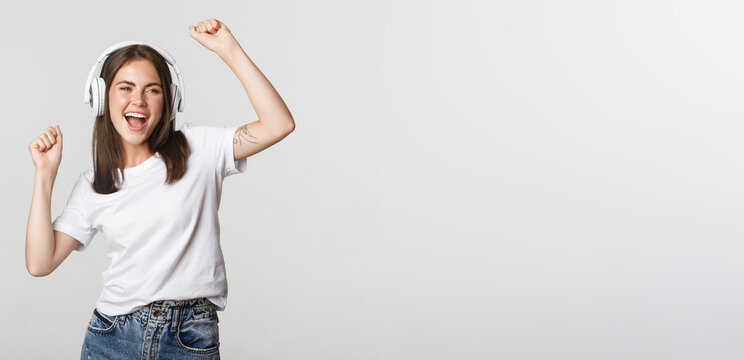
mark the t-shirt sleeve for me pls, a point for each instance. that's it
(217, 143)
(73, 221)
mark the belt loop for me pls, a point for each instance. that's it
(149, 313)
(176, 320)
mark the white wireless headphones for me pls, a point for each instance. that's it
(95, 87)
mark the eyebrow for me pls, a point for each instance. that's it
(131, 83)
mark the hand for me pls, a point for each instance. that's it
(214, 35)
(46, 150)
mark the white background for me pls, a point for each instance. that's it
(467, 180)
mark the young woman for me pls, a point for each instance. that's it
(154, 192)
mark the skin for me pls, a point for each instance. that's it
(136, 87)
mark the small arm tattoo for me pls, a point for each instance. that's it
(244, 135)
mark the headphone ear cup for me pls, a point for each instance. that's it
(176, 97)
(98, 98)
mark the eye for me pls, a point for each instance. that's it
(124, 88)
(155, 91)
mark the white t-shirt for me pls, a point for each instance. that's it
(163, 240)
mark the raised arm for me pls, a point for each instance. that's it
(274, 119)
(45, 248)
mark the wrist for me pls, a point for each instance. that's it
(45, 173)
(231, 52)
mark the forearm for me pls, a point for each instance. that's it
(269, 106)
(39, 234)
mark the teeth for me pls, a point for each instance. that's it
(136, 115)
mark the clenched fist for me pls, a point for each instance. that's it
(214, 35)
(46, 150)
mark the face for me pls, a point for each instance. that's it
(136, 102)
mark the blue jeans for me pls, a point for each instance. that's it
(168, 329)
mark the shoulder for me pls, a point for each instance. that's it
(84, 182)
(192, 130)
(207, 136)
(82, 188)
(86, 176)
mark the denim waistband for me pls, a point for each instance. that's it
(165, 304)
(167, 310)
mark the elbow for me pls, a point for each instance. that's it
(290, 127)
(288, 124)
(279, 128)
(37, 271)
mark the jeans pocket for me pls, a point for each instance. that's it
(199, 335)
(101, 323)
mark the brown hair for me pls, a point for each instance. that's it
(108, 154)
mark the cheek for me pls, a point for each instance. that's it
(117, 100)
(159, 102)
(157, 106)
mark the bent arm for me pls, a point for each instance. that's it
(45, 248)
(272, 112)
(274, 122)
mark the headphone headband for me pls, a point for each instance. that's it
(95, 85)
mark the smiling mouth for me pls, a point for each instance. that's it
(135, 123)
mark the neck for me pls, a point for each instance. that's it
(134, 156)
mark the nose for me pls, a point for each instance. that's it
(138, 98)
